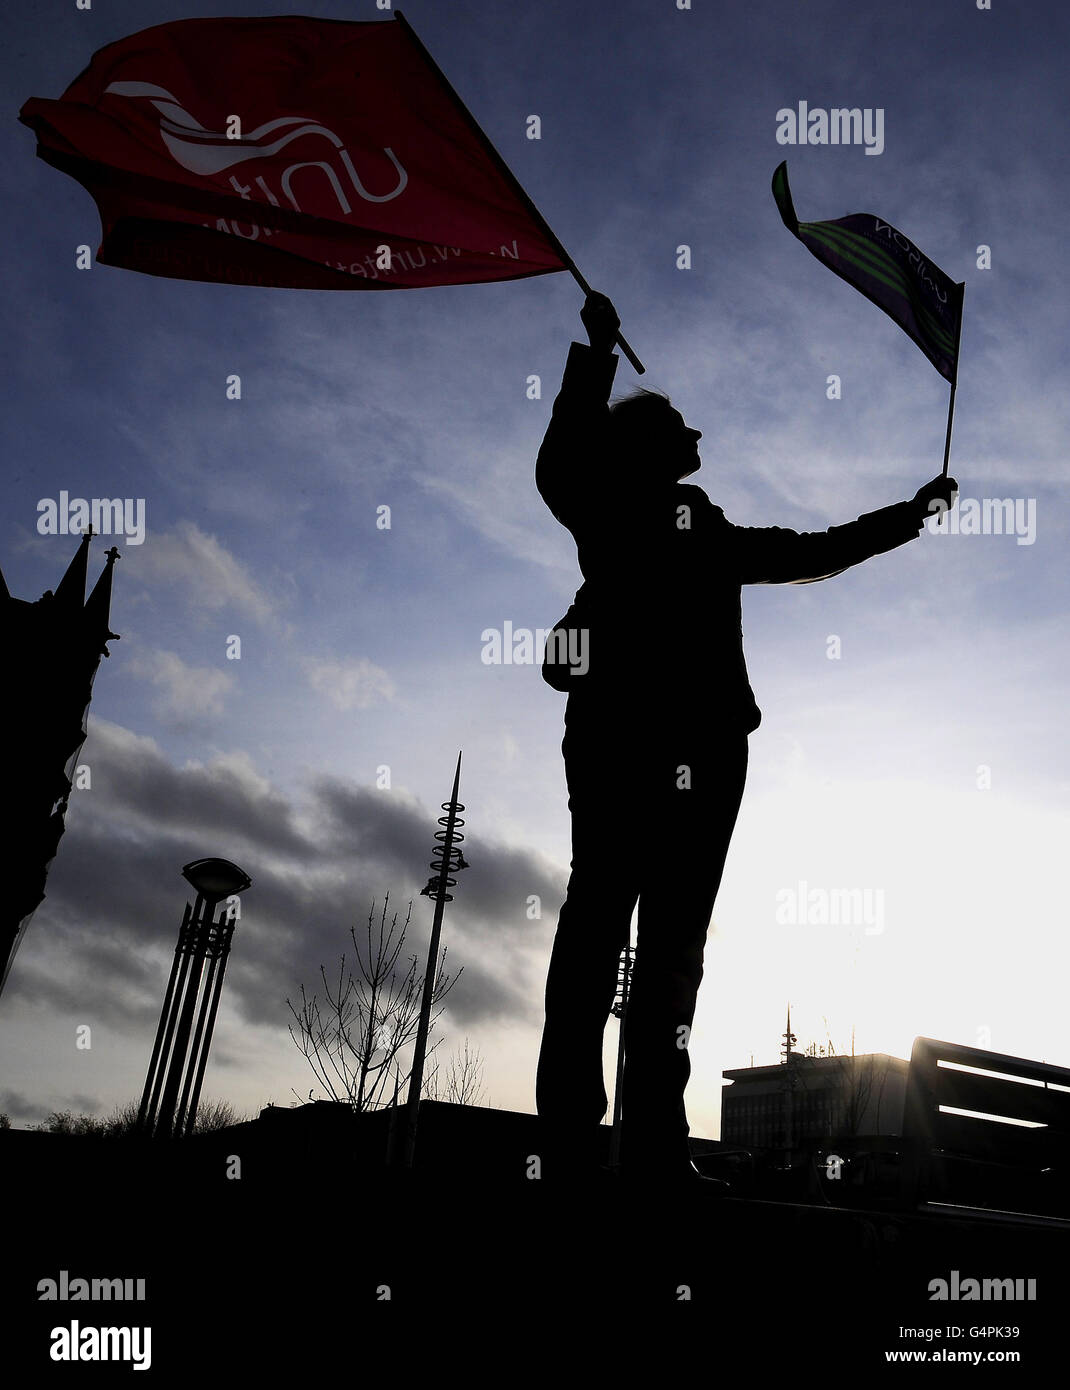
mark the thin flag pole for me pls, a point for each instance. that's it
(512, 180)
(954, 382)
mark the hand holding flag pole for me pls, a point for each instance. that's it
(601, 322)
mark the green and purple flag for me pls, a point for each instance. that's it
(885, 266)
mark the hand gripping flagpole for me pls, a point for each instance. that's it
(954, 381)
(511, 179)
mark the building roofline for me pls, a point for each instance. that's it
(811, 1063)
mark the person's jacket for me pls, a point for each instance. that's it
(659, 613)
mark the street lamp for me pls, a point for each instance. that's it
(215, 878)
(201, 937)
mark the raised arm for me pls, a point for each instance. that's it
(775, 555)
(574, 443)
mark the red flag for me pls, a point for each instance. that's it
(289, 152)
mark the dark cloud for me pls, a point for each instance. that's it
(101, 944)
(23, 1112)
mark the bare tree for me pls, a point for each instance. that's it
(463, 1082)
(64, 1122)
(211, 1115)
(857, 1078)
(216, 1114)
(353, 1041)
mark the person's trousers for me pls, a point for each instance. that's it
(653, 809)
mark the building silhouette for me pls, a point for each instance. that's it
(53, 646)
(806, 1100)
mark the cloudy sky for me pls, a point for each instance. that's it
(927, 762)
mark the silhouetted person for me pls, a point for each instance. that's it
(656, 724)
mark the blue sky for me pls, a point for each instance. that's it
(362, 647)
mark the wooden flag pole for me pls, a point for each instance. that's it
(511, 179)
(954, 382)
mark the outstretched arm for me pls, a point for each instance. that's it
(574, 443)
(774, 555)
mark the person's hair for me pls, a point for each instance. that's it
(635, 418)
(640, 406)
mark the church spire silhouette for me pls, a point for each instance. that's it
(70, 591)
(98, 605)
(54, 647)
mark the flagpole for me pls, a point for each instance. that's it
(954, 381)
(512, 180)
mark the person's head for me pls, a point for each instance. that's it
(649, 437)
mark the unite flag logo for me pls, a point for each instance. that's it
(208, 152)
(288, 152)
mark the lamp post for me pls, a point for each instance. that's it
(201, 938)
